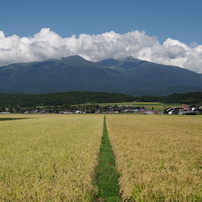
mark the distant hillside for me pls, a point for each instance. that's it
(128, 76)
(64, 98)
(72, 98)
(183, 98)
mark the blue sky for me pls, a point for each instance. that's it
(161, 31)
(177, 19)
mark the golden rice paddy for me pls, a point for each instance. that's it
(53, 157)
(159, 158)
(49, 157)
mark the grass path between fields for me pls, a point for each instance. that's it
(106, 174)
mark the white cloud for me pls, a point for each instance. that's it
(47, 45)
(1, 34)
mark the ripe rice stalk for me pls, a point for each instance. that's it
(49, 157)
(158, 157)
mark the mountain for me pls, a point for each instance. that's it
(67, 74)
(127, 76)
(146, 78)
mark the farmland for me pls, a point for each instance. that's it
(48, 157)
(148, 105)
(158, 157)
(52, 157)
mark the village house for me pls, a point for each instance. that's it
(183, 110)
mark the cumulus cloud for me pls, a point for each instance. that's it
(48, 45)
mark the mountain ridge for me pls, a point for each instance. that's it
(128, 75)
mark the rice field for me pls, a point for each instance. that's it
(53, 157)
(49, 157)
(158, 157)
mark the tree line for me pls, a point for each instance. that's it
(190, 98)
(75, 98)
(64, 98)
